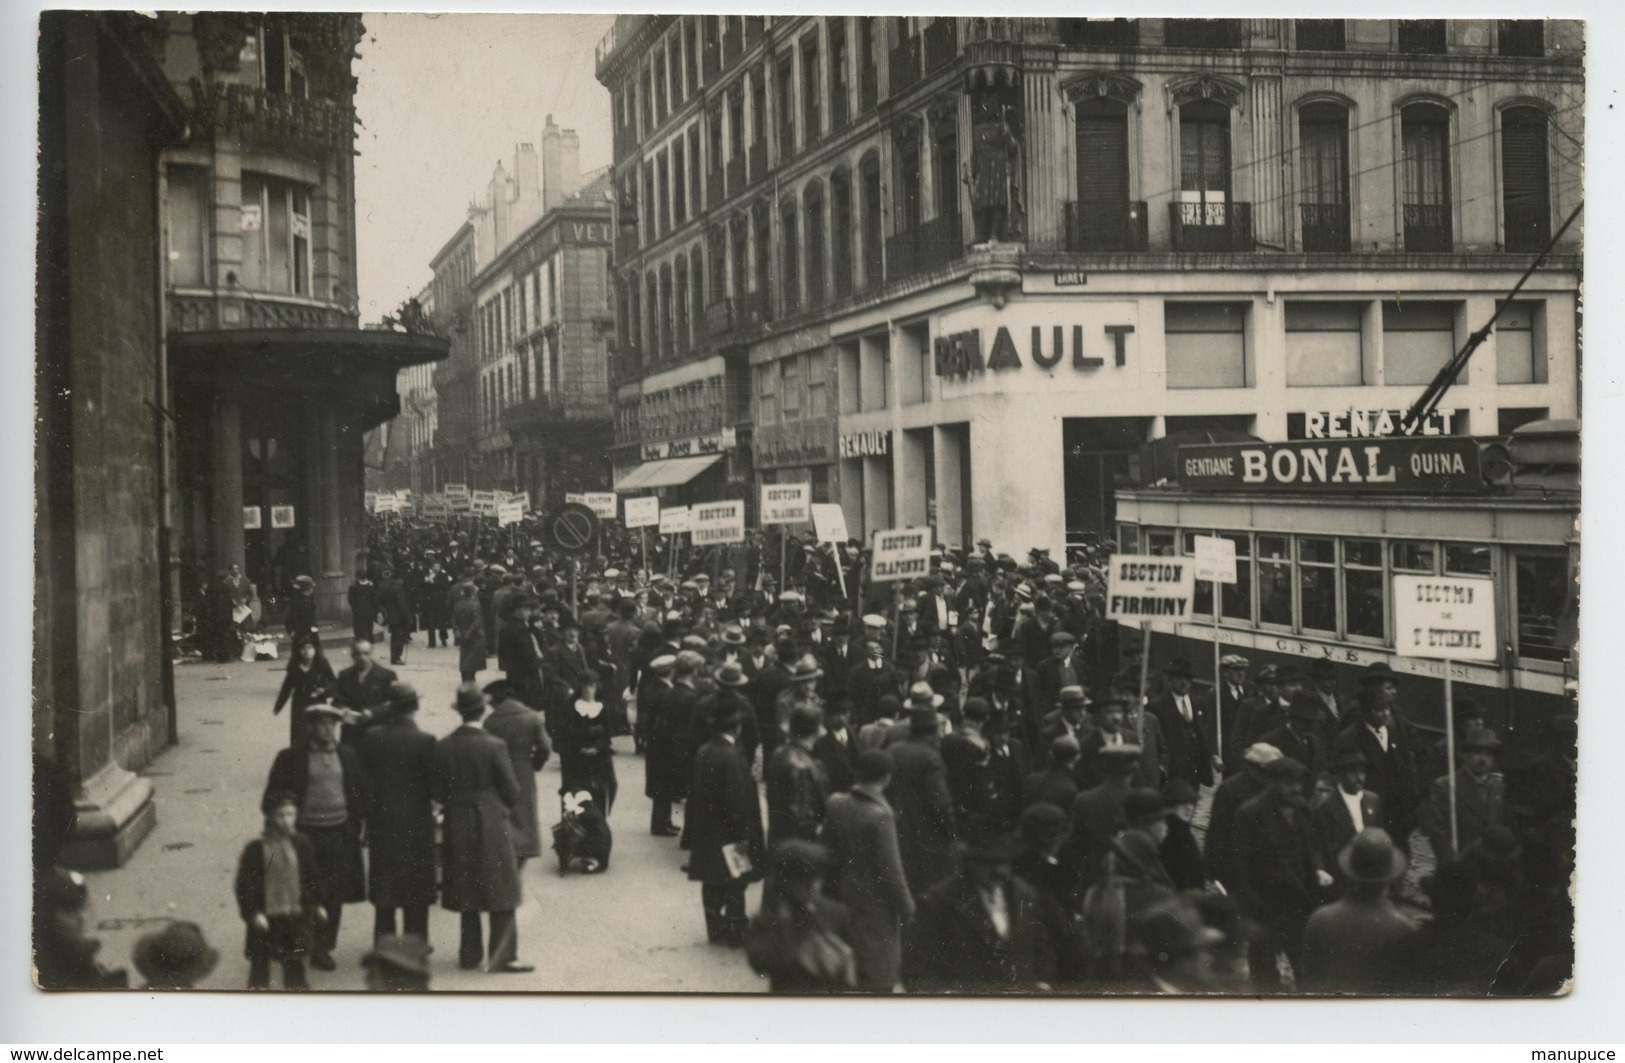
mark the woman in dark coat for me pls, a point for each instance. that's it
(309, 680)
(516, 648)
(584, 747)
(468, 620)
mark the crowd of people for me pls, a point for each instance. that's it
(968, 787)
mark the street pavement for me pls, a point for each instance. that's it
(636, 928)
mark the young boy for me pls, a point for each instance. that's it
(276, 890)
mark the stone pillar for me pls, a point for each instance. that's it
(226, 474)
(1270, 205)
(332, 566)
(1011, 449)
(1041, 137)
(227, 228)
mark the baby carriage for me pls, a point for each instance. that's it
(582, 839)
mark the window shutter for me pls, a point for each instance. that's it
(1102, 154)
(1524, 178)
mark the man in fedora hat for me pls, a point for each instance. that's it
(1350, 945)
(1047, 864)
(1278, 877)
(1350, 809)
(1481, 801)
(329, 783)
(524, 734)
(1183, 719)
(919, 794)
(801, 693)
(399, 760)
(1299, 737)
(670, 743)
(724, 825)
(860, 830)
(873, 676)
(398, 963)
(1391, 771)
(475, 786)
(731, 682)
(176, 957)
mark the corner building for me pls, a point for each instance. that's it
(956, 272)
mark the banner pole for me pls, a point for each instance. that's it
(784, 550)
(1145, 669)
(1450, 754)
(1218, 682)
(643, 540)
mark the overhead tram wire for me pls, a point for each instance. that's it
(1435, 391)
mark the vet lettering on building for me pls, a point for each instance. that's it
(1401, 464)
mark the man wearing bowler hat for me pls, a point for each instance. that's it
(1183, 718)
(920, 796)
(1376, 731)
(1278, 877)
(1481, 800)
(399, 760)
(1350, 809)
(1299, 737)
(1351, 945)
(724, 825)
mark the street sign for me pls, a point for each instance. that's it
(902, 553)
(1444, 618)
(282, 516)
(786, 503)
(642, 512)
(510, 512)
(717, 523)
(1141, 588)
(674, 520)
(1215, 559)
(602, 503)
(829, 521)
(572, 528)
(251, 518)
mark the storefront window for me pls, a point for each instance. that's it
(1275, 580)
(1317, 584)
(1545, 614)
(1467, 560)
(1411, 556)
(1363, 585)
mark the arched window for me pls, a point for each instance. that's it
(789, 256)
(1102, 219)
(813, 208)
(840, 227)
(1203, 217)
(1425, 142)
(680, 298)
(869, 207)
(1323, 171)
(1525, 182)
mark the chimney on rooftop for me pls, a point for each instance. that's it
(552, 177)
(570, 162)
(525, 172)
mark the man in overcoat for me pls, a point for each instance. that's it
(1350, 809)
(363, 688)
(521, 729)
(468, 623)
(1278, 877)
(516, 649)
(797, 784)
(670, 753)
(1183, 720)
(723, 811)
(330, 784)
(1481, 797)
(860, 830)
(476, 788)
(399, 761)
(919, 794)
(397, 609)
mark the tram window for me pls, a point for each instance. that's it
(1128, 538)
(1415, 557)
(1159, 542)
(1317, 583)
(1545, 615)
(1237, 597)
(1275, 580)
(1202, 605)
(1362, 588)
(1467, 560)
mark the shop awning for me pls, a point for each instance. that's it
(668, 473)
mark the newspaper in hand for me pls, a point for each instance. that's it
(737, 856)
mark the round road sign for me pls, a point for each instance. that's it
(572, 528)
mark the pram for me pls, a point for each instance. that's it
(582, 839)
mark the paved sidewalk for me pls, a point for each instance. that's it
(636, 928)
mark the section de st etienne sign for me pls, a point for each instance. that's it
(1415, 465)
(1141, 588)
(1445, 618)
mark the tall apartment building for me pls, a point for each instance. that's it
(522, 289)
(957, 271)
(406, 444)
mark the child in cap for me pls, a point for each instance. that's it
(276, 891)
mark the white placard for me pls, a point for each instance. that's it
(786, 503)
(674, 520)
(642, 512)
(575, 497)
(902, 553)
(1446, 618)
(829, 520)
(251, 518)
(484, 507)
(453, 490)
(459, 503)
(282, 516)
(509, 512)
(717, 523)
(1141, 588)
(602, 503)
(522, 497)
(1215, 559)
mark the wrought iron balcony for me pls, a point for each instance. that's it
(905, 65)
(275, 122)
(941, 43)
(1212, 226)
(1427, 227)
(1325, 226)
(1106, 226)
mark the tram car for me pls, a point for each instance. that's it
(1320, 530)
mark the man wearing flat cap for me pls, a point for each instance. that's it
(1218, 847)
(1063, 668)
(1481, 800)
(399, 761)
(1278, 877)
(1234, 690)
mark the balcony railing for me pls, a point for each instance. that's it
(736, 173)
(1212, 226)
(205, 312)
(905, 65)
(1325, 226)
(729, 316)
(1100, 32)
(1106, 226)
(758, 160)
(941, 43)
(934, 243)
(1427, 227)
(565, 404)
(1203, 32)
(279, 123)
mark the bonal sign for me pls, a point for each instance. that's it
(1215, 559)
(716, 523)
(674, 521)
(1141, 588)
(1415, 464)
(642, 512)
(903, 553)
(786, 503)
(1446, 618)
(829, 520)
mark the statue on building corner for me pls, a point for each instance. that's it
(993, 174)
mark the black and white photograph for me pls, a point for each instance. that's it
(807, 504)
